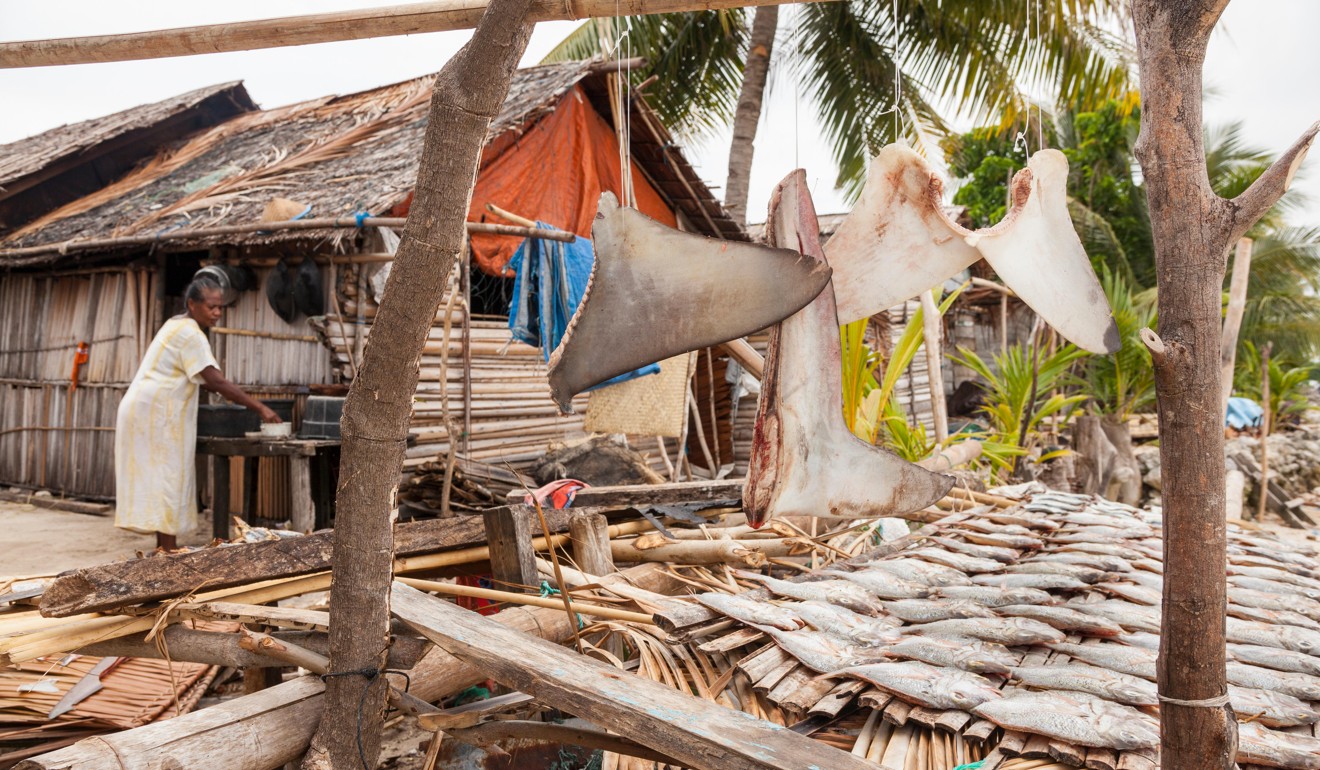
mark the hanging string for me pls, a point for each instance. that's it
(895, 60)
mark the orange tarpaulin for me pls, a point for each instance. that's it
(555, 172)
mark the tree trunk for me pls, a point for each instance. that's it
(1193, 229)
(1125, 460)
(748, 114)
(467, 95)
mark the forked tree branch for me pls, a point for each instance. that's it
(1269, 187)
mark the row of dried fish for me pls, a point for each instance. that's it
(944, 625)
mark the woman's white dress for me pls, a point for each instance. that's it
(156, 433)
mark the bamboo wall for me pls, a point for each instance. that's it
(51, 440)
(270, 351)
(47, 436)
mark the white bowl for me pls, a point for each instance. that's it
(278, 429)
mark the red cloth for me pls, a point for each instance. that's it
(559, 494)
(554, 172)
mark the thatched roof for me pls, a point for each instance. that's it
(103, 148)
(340, 155)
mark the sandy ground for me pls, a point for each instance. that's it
(40, 541)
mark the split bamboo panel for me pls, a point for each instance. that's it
(264, 353)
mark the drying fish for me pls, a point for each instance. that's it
(1272, 586)
(1152, 566)
(821, 652)
(677, 272)
(758, 612)
(1005, 555)
(1064, 619)
(1101, 682)
(1271, 709)
(1251, 560)
(1092, 560)
(928, 610)
(1073, 717)
(1135, 617)
(846, 624)
(1272, 617)
(1033, 522)
(1302, 686)
(1283, 637)
(1001, 630)
(1089, 519)
(1275, 658)
(1037, 567)
(961, 562)
(1006, 540)
(881, 584)
(1021, 580)
(1259, 745)
(1152, 550)
(1274, 574)
(980, 525)
(1133, 593)
(1142, 639)
(839, 592)
(991, 596)
(926, 685)
(1279, 553)
(967, 654)
(923, 572)
(1270, 600)
(1134, 661)
(1096, 535)
(1104, 549)
(1144, 578)
(805, 461)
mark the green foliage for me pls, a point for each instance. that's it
(1010, 383)
(1288, 385)
(850, 53)
(696, 56)
(859, 363)
(1123, 382)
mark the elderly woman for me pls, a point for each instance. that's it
(156, 430)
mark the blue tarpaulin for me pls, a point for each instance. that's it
(1243, 413)
(549, 280)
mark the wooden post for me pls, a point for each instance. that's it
(1264, 430)
(466, 98)
(933, 335)
(437, 16)
(1237, 304)
(509, 533)
(1193, 228)
(591, 542)
(303, 512)
(220, 497)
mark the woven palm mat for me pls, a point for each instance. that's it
(655, 405)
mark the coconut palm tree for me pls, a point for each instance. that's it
(875, 71)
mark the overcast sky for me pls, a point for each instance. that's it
(1263, 65)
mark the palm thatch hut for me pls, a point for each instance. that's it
(103, 223)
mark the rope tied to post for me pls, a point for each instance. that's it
(371, 675)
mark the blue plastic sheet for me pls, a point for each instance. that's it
(549, 280)
(1243, 413)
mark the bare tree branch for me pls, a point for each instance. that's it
(1269, 187)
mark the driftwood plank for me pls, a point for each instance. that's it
(137, 581)
(693, 731)
(651, 494)
(217, 648)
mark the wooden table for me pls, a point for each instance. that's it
(302, 498)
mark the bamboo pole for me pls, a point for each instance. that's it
(324, 223)
(1264, 431)
(530, 600)
(321, 28)
(746, 355)
(934, 338)
(1237, 305)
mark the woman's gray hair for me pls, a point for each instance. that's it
(198, 286)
